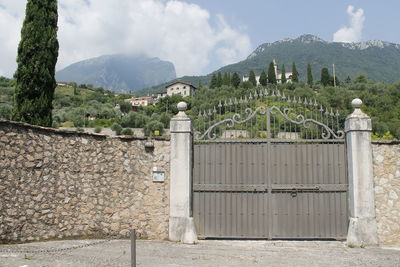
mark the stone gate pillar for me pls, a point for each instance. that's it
(362, 225)
(181, 224)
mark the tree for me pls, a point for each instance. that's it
(271, 73)
(325, 77)
(309, 75)
(252, 78)
(219, 80)
(361, 78)
(263, 79)
(37, 58)
(295, 74)
(214, 82)
(347, 80)
(235, 80)
(125, 106)
(226, 79)
(283, 76)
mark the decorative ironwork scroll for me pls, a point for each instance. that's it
(327, 132)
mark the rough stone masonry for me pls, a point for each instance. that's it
(386, 160)
(56, 184)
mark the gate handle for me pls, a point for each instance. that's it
(293, 193)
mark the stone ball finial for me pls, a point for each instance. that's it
(356, 103)
(182, 106)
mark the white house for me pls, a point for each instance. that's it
(278, 75)
(141, 101)
(180, 88)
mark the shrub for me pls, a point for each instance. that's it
(127, 131)
(68, 124)
(116, 128)
(79, 129)
(97, 129)
(55, 124)
(152, 126)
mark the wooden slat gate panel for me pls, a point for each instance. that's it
(270, 190)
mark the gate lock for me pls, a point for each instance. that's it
(293, 193)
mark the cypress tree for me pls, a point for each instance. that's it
(37, 58)
(295, 74)
(219, 79)
(271, 73)
(283, 76)
(235, 80)
(225, 79)
(263, 79)
(214, 81)
(325, 80)
(252, 78)
(309, 75)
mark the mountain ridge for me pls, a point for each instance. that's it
(120, 73)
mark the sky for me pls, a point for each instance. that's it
(198, 36)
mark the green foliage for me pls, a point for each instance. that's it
(252, 78)
(134, 120)
(214, 81)
(325, 77)
(97, 130)
(37, 57)
(361, 78)
(5, 111)
(125, 106)
(295, 73)
(263, 79)
(80, 130)
(246, 85)
(127, 131)
(235, 80)
(283, 78)
(271, 73)
(219, 79)
(310, 79)
(226, 79)
(55, 125)
(67, 124)
(116, 128)
(5, 82)
(152, 126)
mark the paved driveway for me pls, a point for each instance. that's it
(206, 253)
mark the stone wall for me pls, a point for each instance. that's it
(386, 162)
(57, 184)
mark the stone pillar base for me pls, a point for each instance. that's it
(362, 231)
(182, 229)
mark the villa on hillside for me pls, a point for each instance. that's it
(141, 101)
(278, 75)
(180, 88)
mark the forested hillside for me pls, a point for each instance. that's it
(73, 107)
(378, 60)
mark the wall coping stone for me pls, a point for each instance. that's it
(69, 132)
(383, 142)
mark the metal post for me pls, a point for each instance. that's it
(133, 248)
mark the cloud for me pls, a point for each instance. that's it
(352, 33)
(183, 33)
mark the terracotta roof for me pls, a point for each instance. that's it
(180, 82)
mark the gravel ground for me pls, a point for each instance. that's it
(206, 253)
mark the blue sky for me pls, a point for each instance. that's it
(197, 36)
(292, 18)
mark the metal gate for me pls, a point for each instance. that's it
(271, 187)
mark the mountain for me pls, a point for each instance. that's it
(119, 73)
(378, 60)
